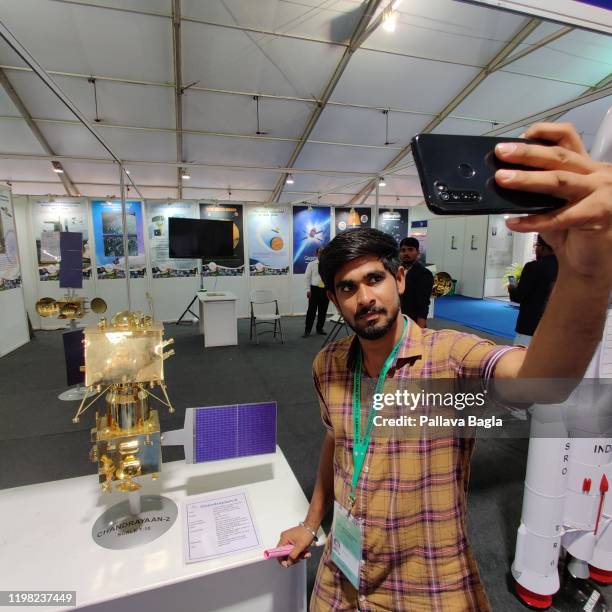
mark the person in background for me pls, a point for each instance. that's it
(317, 298)
(419, 283)
(533, 290)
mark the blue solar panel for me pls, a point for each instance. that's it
(71, 265)
(74, 352)
(238, 430)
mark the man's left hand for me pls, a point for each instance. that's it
(580, 232)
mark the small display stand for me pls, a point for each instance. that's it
(47, 543)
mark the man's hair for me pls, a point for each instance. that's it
(410, 242)
(350, 245)
(541, 242)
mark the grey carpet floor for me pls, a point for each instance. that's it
(39, 442)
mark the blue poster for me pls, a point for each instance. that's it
(268, 232)
(108, 234)
(310, 231)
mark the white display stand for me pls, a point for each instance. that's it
(46, 541)
(218, 320)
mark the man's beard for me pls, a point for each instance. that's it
(369, 330)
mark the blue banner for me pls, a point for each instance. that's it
(311, 230)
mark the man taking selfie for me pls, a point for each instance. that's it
(399, 504)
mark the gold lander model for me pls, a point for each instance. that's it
(124, 361)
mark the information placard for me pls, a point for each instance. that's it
(217, 525)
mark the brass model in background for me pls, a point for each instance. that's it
(71, 306)
(124, 361)
(443, 283)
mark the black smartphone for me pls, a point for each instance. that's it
(457, 175)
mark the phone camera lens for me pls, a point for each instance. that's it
(445, 196)
(441, 187)
(466, 171)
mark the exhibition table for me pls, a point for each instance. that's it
(46, 543)
(218, 321)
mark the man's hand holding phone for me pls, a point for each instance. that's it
(581, 231)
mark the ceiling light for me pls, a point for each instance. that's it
(185, 174)
(381, 182)
(57, 167)
(389, 21)
(289, 180)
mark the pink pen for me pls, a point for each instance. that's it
(281, 551)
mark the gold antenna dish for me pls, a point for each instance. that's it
(47, 307)
(98, 305)
(71, 310)
(443, 283)
(125, 319)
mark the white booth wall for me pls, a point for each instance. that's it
(13, 322)
(170, 296)
(499, 256)
(458, 245)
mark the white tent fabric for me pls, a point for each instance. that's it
(285, 52)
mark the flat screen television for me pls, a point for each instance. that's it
(199, 238)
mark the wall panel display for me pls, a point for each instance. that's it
(49, 218)
(351, 218)
(311, 228)
(10, 272)
(162, 266)
(499, 246)
(225, 266)
(394, 222)
(269, 234)
(108, 237)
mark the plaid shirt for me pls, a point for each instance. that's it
(411, 494)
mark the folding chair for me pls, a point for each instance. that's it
(261, 297)
(338, 323)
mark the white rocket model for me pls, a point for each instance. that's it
(567, 500)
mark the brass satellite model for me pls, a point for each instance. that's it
(124, 361)
(443, 284)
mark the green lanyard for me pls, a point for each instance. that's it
(361, 444)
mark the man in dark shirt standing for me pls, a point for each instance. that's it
(419, 283)
(533, 290)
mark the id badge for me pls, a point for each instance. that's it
(347, 538)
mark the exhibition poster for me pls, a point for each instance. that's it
(108, 234)
(351, 218)
(225, 266)
(394, 222)
(162, 266)
(10, 272)
(269, 231)
(311, 229)
(49, 218)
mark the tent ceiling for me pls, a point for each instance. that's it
(285, 51)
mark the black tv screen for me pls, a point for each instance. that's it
(197, 239)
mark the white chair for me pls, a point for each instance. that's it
(338, 324)
(262, 297)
